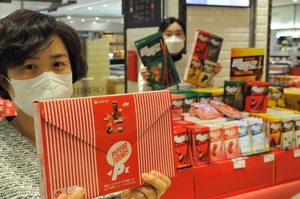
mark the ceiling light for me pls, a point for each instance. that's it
(90, 8)
(94, 22)
(295, 0)
(104, 5)
(82, 20)
(96, 18)
(69, 17)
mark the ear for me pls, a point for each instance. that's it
(3, 82)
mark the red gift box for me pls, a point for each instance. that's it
(104, 143)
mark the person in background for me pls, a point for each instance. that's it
(174, 34)
(285, 45)
(41, 58)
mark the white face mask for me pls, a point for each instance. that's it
(174, 44)
(46, 86)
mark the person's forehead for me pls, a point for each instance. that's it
(174, 27)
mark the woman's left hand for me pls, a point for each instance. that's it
(156, 187)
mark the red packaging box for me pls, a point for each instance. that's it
(256, 96)
(182, 147)
(227, 110)
(177, 103)
(183, 123)
(103, 143)
(231, 140)
(216, 137)
(199, 144)
(204, 110)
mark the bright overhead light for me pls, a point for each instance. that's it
(69, 17)
(104, 5)
(295, 0)
(90, 8)
(82, 20)
(94, 22)
(96, 18)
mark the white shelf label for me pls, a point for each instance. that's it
(269, 157)
(297, 153)
(238, 164)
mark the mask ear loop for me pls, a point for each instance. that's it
(6, 79)
(4, 83)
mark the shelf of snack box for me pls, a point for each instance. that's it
(7, 108)
(208, 177)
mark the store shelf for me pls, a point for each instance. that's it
(221, 180)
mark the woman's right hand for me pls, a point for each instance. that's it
(145, 74)
(77, 194)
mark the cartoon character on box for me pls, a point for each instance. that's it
(115, 120)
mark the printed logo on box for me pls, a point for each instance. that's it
(117, 155)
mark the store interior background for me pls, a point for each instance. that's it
(239, 28)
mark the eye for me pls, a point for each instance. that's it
(30, 67)
(58, 64)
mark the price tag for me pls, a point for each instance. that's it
(238, 164)
(297, 153)
(269, 157)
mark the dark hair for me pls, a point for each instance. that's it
(168, 21)
(24, 33)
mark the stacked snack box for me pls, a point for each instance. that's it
(188, 100)
(231, 138)
(246, 64)
(216, 136)
(256, 96)
(199, 144)
(234, 94)
(182, 148)
(177, 103)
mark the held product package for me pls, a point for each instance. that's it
(204, 54)
(234, 94)
(256, 96)
(155, 56)
(103, 143)
(247, 64)
(227, 110)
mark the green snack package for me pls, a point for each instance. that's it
(190, 97)
(155, 56)
(234, 95)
